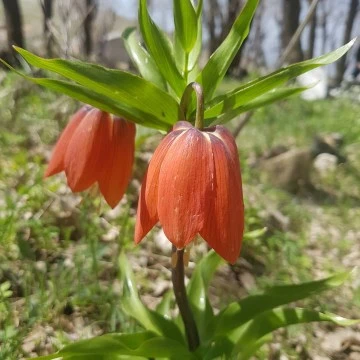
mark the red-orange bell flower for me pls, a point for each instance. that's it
(193, 186)
(95, 147)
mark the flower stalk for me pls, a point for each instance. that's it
(186, 100)
(178, 276)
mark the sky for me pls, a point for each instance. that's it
(162, 15)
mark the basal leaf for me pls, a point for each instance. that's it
(251, 337)
(126, 88)
(238, 313)
(132, 305)
(197, 293)
(248, 92)
(142, 59)
(159, 47)
(219, 62)
(119, 346)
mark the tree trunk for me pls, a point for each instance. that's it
(91, 10)
(47, 6)
(214, 12)
(291, 15)
(13, 24)
(341, 63)
(224, 20)
(312, 35)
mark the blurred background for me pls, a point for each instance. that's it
(300, 162)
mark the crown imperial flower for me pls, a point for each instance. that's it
(95, 147)
(193, 186)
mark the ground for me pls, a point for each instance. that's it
(58, 251)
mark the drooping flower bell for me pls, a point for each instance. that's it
(95, 147)
(193, 186)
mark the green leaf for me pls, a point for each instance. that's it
(185, 23)
(160, 48)
(266, 99)
(254, 334)
(196, 51)
(99, 101)
(132, 305)
(254, 234)
(240, 312)
(197, 293)
(233, 100)
(128, 89)
(219, 62)
(141, 58)
(164, 306)
(115, 346)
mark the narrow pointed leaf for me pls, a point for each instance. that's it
(251, 337)
(164, 306)
(116, 346)
(238, 313)
(132, 305)
(99, 101)
(248, 92)
(120, 86)
(142, 59)
(266, 99)
(159, 47)
(219, 62)
(185, 23)
(193, 66)
(197, 292)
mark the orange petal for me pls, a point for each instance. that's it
(118, 161)
(56, 163)
(147, 215)
(185, 186)
(84, 158)
(224, 225)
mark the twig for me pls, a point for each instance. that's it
(298, 32)
(243, 121)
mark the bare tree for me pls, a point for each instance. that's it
(47, 7)
(349, 24)
(291, 16)
(220, 16)
(312, 34)
(13, 20)
(91, 11)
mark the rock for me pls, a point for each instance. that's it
(325, 163)
(317, 81)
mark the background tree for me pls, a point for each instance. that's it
(47, 7)
(312, 34)
(13, 21)
(219, 18)
(291, 16)
(91, 11)
(349, 24)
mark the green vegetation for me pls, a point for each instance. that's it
(58, 251)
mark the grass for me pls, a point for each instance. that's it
(58, 252)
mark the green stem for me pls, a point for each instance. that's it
(186, 101)
(191, 330)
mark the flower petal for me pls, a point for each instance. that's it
(224, 225)
(84, 158)
(185, 186)
(56, 163)
(147, 215)
(118, 162)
